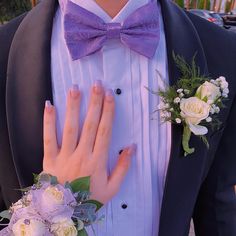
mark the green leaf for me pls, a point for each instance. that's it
(99, 205)
(185, 141)
(44, 178)
(5, 214)
(205, 141)
(36, 178)
(82, 233)
(24, 189)
(54, 180)
(205, 99)
(81, 184)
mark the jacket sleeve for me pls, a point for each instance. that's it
(215, 208)
(8, 179)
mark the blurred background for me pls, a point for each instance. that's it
(11, 8)
(220, 12)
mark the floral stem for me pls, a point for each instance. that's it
(185, 141)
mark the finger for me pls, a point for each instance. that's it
(71, 127)
(104, 133)
(93, 116)
(120, 170)
(49, 131)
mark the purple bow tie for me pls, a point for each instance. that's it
(86, 33)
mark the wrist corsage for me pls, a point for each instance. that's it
(193, 102)
(50, 209)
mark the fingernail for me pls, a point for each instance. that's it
(132, 149)
(98, 83)
(48, 106)
(98, 86)
(109, 95)
(74, 91)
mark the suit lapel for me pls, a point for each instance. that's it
(184, 174)
(28, 86)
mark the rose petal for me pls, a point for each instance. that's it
(198, 129)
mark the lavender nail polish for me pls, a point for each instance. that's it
(97, 87)
(48, 103)
(98, 83)
(75, 87)
(74, 91)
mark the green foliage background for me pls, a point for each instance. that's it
(227, 6)
(12, 8)
(180, 3)
(201, 4)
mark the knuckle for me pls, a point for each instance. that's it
(110, 107)
(47, 141)
(103, 131)
(70, 129)
(96, 100)
(90, 126)
(124, 163)
(113, 189)
(47, 121)
(72, 106)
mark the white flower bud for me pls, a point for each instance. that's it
(217, 109)
(177, 100)
(178, 120)
(208, 119)
(222, 79)
(180, 90)
(225, 90)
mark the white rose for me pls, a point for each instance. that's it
(64, 226)
(17, 205)
(29, 227)
(194, 110)
(53, 196)
(209, 90)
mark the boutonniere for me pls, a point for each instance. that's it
(193, 102)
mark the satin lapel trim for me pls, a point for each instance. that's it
(28, 86)
(184, 174)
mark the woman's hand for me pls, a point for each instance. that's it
(87, 155)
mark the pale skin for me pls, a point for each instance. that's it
(85, 154)
(111, 7)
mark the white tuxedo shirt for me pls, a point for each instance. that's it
(135, 211)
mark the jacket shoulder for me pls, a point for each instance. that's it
(219, 46)
(7, 33)
(211, 35)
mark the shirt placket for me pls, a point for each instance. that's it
(117, 76)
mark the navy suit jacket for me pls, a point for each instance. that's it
(200, 186)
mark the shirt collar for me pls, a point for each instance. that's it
(92, 6)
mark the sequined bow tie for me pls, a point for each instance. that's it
(86, 33)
